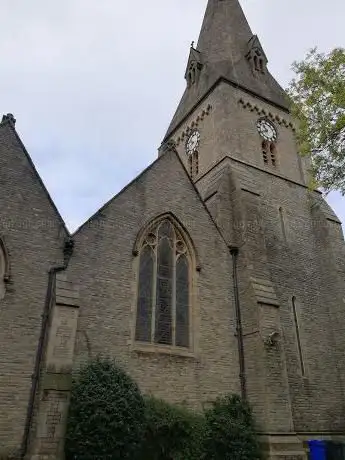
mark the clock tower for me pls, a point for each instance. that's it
(236, 138)
(232, 107)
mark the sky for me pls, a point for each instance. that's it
(94, 85)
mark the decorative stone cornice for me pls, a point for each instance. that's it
(168, 146)
(266, 113)
(194, 124)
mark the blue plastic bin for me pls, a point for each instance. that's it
(317, 450)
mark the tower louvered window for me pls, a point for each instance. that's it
(269, 153)
(164, 282)
(193, 164)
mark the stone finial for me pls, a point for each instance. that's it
(168, 146)
(9, 118)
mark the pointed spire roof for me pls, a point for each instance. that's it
(225, 31)
(226, 46)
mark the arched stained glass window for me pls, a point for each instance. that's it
(164, 285)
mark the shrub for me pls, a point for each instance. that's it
(172, 432)
(110, 420)
(230, 431)
(106, 416)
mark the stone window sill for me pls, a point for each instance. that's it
(149, 348)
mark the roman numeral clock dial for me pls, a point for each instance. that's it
(192, 143)
(267, 130)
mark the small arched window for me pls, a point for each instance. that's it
(265, 148)
(193, 164)
(164, 287)
(190, 165)
(256, 62)
(269, 153)
(273, 153)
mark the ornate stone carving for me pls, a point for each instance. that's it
(204, 113)
(263, 112)
(168, 146)
(194, 67)
(9, 118)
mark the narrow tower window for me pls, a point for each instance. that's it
(265, 151)
(195, 164)
(262, 66)
(298, 336)
(282, 222)
(256, 63)
(273, 153)
(269, 153)
(190, 165)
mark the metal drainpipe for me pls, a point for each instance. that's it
(239, 330)
(68, 250)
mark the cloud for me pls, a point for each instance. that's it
(93, 85)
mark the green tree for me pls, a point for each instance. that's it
(107, 414)
(318, 103)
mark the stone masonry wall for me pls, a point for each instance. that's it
(33, 234)
(47, 441)
(106, 269)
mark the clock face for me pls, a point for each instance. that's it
(192, 142)
(267, 130)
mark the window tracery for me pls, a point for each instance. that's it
(164, 287)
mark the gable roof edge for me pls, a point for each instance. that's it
(40, 180)
(99, 211)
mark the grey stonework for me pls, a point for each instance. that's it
(33, 234)
(291, 268)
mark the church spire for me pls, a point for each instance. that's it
(226, 51)
(225, 31)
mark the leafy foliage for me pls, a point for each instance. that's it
(106, 416)
(230, 432)
(318, 103)
(172, 432)
(109, 419)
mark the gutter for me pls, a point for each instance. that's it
(67, 251)
(239, 329)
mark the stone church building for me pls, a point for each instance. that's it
(215, 271)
